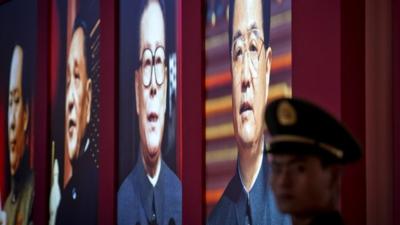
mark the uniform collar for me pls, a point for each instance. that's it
(247, 191)
(147, 190)
(257, 196)
(153, 180)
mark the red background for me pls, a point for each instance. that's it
(328, 68)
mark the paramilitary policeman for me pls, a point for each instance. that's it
(307, 149)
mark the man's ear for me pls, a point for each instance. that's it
(26, 116)
(166, 80)
(89, 99)
(164, 88)
(268, 59)
(136, 81)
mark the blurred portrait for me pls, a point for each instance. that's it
(17, 101)
(18, 206)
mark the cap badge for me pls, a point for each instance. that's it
(286, 114)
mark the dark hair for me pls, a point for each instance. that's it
(266, 15)
(27, 72)
(80, 23)
(142, 5)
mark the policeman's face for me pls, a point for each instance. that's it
(250, 66)
(78, 95)
(301, 185)
(151, 93)
(17, 112)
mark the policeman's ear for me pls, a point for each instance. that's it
(335, 177)
(268, 58)
(137, 90)
(89, 99)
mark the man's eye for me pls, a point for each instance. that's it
(147, 62)
(158, 60)
(253, 48)
(300, 168)
(238, 52)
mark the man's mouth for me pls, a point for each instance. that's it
(285, 197)
(152, 117)
(245, 107)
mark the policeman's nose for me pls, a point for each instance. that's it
(285, 179)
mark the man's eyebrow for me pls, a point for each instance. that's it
(13, 92)
(254, 29)
(236, 35)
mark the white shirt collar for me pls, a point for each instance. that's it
(153, 180)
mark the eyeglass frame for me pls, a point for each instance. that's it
(246, 49)
(140, 66)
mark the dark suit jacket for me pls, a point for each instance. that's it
(135, 197)
(231, 208)
(79, 198)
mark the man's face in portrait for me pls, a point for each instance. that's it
(250, 67)
(151, 82)
(301, 184)
(17, 112)
(78, 94)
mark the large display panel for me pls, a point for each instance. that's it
(149, 183)
(248, 64)
(75, 108)
(18, 25)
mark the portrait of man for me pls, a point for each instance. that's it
(78, 204)
(151, 193)
(248, 198)
(18, 206)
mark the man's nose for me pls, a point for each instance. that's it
(153, 90)
(153, 82)
(70, 100)
(12, 119)
(246, 76)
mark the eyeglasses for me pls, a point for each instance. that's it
(248, 45)
(150, 61)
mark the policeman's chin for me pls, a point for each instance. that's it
(291, 206)
(287, 207)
